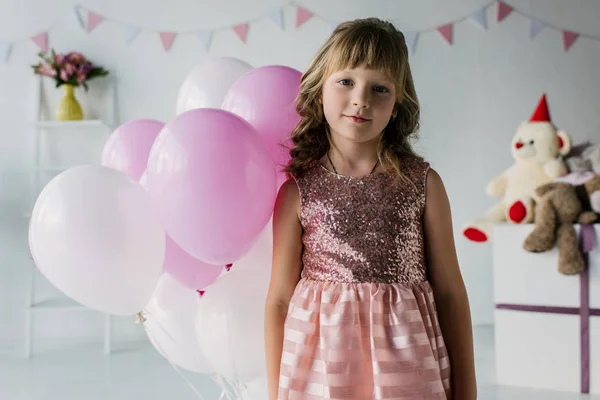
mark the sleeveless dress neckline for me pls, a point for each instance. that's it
(349, 177)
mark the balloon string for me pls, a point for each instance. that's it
(142, 318)
(224, 390)
(235, 388)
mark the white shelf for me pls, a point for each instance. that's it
(84, 124)
(45, 131)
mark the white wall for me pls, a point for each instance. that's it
(473, 96)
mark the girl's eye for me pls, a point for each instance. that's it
(344, 82)
(381, 89)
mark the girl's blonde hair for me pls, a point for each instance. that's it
(372, 43)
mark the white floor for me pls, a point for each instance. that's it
(137, 371)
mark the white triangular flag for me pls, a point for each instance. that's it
(332, 27)
(411, 38)
(535, 28)
(5, 48)
(77, 16)
(479, 17)
(277, 18)
(130, 32)
(206, 38)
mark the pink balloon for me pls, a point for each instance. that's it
(128, 147)
(265, 97)
(212, 183)
(187, 270)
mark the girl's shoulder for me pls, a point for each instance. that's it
(415, 168)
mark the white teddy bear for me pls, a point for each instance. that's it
(537, 148)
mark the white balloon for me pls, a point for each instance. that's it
(230, 324)
(94, 235)
(170, 325)
(207, 84)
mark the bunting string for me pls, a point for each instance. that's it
(89, 22)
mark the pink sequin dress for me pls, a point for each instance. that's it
(362, 321)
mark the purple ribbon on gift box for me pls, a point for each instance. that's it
(587, 240)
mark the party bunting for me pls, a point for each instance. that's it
(5, 49)
(277, 18)
(535, 28)
(479, 18)
(167, 39)
(205, 38)
(41, 40)
(241, 30)
(503, 10)
(302, 15)
(130, 32)
(446, 32)
(333, 26)
(93, 21)
(77, 17)
(569, 38)
(411, 38)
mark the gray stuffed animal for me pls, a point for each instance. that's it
(585, 157)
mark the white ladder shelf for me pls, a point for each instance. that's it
(41, 126)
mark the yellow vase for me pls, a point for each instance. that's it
(69, 108)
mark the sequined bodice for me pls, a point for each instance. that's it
(365, 229)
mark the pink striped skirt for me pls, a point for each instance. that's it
(363, 341)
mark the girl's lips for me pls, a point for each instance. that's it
(357, 120)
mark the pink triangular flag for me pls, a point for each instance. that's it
(569, 38)
(41, 40)
(167, 39)
(302, 15)
(93, 20)
(242, 31)
(446, 32)
(503, 10)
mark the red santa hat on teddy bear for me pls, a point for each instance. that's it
(541, 113)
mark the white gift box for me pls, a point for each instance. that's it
(547, 325)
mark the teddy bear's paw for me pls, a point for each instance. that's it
(587, 217)
(570, 263)
(475, 234)
(538, 242)
(517, 212)
(520, 212)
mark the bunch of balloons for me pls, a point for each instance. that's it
(155, 229)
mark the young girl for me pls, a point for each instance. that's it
(364, 257)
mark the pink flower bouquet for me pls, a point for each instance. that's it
(68, 69)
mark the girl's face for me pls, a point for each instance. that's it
(358, 103)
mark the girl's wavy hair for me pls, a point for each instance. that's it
(372, 43)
